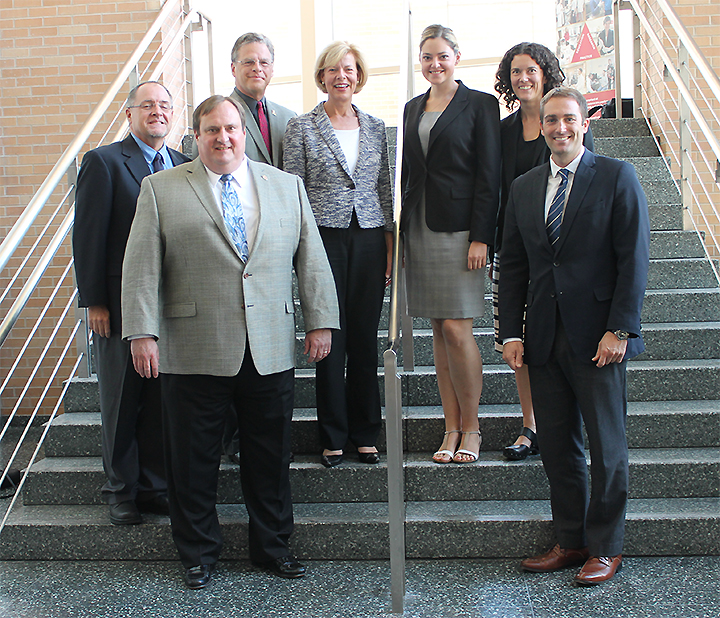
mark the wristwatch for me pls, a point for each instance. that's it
(622, 335)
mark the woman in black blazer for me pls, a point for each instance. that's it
(526, 73)
(341, 154)
(451, 188)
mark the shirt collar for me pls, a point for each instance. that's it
(570, 167)
(240, 174)
(249, 101)
(149, 152)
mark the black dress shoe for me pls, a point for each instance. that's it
(517, 452)
(198, 576)
(330, 461)
(286, 567)
(369, 458)
(124, 513)
(157, 504)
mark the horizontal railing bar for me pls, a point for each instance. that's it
(35, 327)
(39, 361)
(32, 281)
(41, 441)
(31, 250)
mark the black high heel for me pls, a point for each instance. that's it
(518, 452)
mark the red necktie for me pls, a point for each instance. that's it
(264, 128)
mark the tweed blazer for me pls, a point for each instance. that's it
(312, 151)
(184, 281)
(255, 147)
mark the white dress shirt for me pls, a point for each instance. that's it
(247, 194)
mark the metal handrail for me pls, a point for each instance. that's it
(682, 88)
(37, 203)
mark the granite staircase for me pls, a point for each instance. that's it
(489, 509)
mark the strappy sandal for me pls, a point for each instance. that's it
(464, 451)
(445, 453)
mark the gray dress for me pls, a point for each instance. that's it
(439, 284)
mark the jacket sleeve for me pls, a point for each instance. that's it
(294, 160)
(316, 285)
(486, 201)
(142, 268)
(384, 187)
(93, 210)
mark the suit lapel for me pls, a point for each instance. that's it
(135, 161)
(509, 146)
(253, 130)
(198, 179)
(277, 131)
(262, 187)
(581, 182)
(539, 192)
(458, 104)
(327, 131)
(175, 157)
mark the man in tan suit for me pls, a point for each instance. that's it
(207, 303)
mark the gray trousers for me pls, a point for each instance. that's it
(131, 412)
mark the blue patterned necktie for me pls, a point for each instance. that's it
(233, 217)
(554, 217)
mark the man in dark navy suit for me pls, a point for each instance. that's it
(107, 190)
(575, 261)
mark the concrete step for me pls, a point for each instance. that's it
(670, 341)
(335, 531)
(654, 473)
(649, 168)
(622, 147)
(682, 273)
(650, 424)
(619, 127)
(675, 244)
(647, 381)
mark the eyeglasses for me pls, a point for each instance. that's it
(248, 64)
(147, 106)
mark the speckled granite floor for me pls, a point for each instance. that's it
(646, 588)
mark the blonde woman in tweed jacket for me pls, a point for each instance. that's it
(341, 154)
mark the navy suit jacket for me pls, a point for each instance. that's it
(107, 190)
(597, 273)
(461, 174)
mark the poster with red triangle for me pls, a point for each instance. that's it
(586, 48)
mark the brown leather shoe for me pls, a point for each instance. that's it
(598, 569)
(554, 560)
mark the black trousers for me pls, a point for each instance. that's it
(348, 401)
(130, 410)
(566, 392)
(194, 408)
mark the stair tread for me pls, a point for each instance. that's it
(662, 456)
(366, 512)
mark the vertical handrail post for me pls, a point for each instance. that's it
(618, 74)
(637, 67)
(685, 138)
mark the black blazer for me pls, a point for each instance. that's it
(461, 173)
(510, 135)
(107, 189)
(596, 275)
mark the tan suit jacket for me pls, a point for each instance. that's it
(184, 282)
(278, 117)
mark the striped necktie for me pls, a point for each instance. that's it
(554, 217)
(233, 216)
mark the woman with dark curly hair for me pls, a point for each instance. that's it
(526, 73)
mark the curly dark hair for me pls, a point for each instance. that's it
(546, 60)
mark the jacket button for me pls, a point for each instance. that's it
(556, 264)
(552, 294)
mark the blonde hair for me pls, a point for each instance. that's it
(332, 55)
(436, 31)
